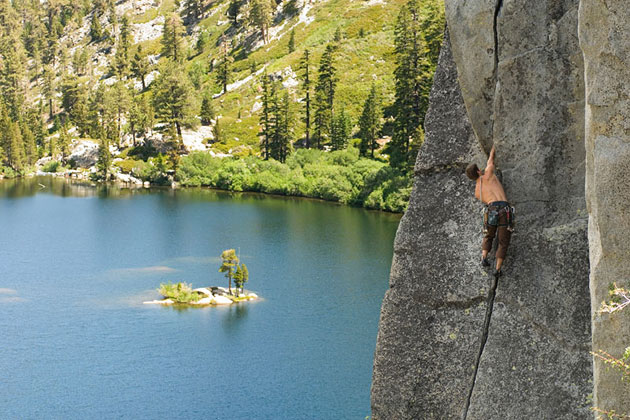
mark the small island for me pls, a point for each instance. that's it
(183, 294)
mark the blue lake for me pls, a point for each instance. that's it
(77, 342)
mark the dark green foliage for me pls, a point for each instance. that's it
(338, 35)
(370, 122)
(202, 42)
(140, 116)
(335, 176)
(192, 10)
(80, 61)
(229, 266)
(216, 132)
(306, 86)
(340, 130)
(140, 66)
(290, 8)
(96, 31)
(414, 75)
(74, 98)
(292, 41)
(104, 162)
(11, 141)
(224, 75)
(261, 15)
(281, 124)
(173, 98)
(207, 111)
(173, 44)
(233, 10)
(325, 95)
(120, 63)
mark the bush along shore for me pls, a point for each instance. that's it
(339, 176)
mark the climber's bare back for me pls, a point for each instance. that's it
(492, 188)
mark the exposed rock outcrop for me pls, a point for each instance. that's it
(605, 40)
(453, 344)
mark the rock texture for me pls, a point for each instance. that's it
(435, 309)
(605, 40)
(451, 343)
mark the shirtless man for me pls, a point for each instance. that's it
(489, 191)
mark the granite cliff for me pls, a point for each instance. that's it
(453, 343)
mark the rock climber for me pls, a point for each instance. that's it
(498, 215)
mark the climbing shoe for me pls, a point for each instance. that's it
(485, 262)
(498, 273)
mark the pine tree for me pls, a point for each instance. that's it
(229, 263)
(265, 116)
(306, 85)
(325, 94)
(370, 122)
(338, 35)
(233, 10)
(80, 61)
(120, 65)
(413, 75)
(64, 141)
(96, 31)
(207, 111)
(120, 104)
(192, 10)
(173, 99)
(30, 146)
(14, 147)
(238, 278)
(48, 88)
(217, 132)
(140, 116)
(340, 133)
(104, 161)
(202, 42)
(245, 274)
(140, 66)
(173, 38)
(223, 70)
(261, 15)
(292, 41)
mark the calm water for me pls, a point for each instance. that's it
(76, 341)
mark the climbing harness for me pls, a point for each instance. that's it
(492, 212)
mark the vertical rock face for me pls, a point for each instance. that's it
(605, 40)
(451, 343)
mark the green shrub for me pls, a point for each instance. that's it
(179, 292)
(53, 166)
(340, 176)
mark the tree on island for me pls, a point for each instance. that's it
(229, 266)
(241, 276)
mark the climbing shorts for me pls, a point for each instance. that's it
(498, 223)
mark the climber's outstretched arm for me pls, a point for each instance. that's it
(490, 164)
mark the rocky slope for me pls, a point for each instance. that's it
(453, 344)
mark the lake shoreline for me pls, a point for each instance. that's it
(175, 186)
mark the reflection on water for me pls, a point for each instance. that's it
(84, 340)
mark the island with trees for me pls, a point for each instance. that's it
(182, 293)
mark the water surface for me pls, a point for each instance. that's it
(77, 342)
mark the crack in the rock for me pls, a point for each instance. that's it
(454, 304)
(497, 10)
(495, 74)
(482, 345)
